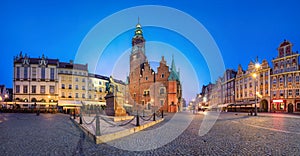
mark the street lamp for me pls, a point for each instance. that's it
(6, 99)
(257, 66)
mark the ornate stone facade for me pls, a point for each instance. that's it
(148, 88)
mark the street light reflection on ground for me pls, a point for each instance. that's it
(255, 75)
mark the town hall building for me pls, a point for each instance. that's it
(161, 89)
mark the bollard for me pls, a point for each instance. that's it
(137, 120)
(80, 120)
(154, 116)
(74, 115)
(162, 113)
(37, 112)
(97, 125)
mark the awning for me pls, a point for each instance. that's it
(69, 103)
(127, 105)
(93, 103)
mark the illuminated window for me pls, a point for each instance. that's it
(281, 106)
(274, 106)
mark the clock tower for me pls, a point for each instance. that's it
(137, 60)
(137, 56)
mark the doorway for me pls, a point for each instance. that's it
(290, 108)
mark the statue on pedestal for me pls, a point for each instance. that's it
(113, 107)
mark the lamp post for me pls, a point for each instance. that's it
(257, 66)
(6, 98)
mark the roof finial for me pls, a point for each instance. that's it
(138, 19)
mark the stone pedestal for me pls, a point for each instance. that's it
(112, 106)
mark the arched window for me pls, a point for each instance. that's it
(162, 91)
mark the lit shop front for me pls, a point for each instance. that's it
(278, 105)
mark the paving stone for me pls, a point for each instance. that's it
(55, 134)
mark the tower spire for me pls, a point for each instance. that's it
(173, 67)
(174, 75)
(138, 28)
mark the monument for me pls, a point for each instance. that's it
(114, 99)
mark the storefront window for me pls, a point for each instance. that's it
(281, 106)
(274, 106)
(298, 106)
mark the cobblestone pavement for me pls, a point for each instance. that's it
(232, 134)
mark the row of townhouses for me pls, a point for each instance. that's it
(275, 89)
(50, 83)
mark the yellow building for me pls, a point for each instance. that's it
(247, 85)
(73, 82)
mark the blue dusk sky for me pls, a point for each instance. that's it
(241, 30)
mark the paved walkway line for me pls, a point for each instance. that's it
(271, 129)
